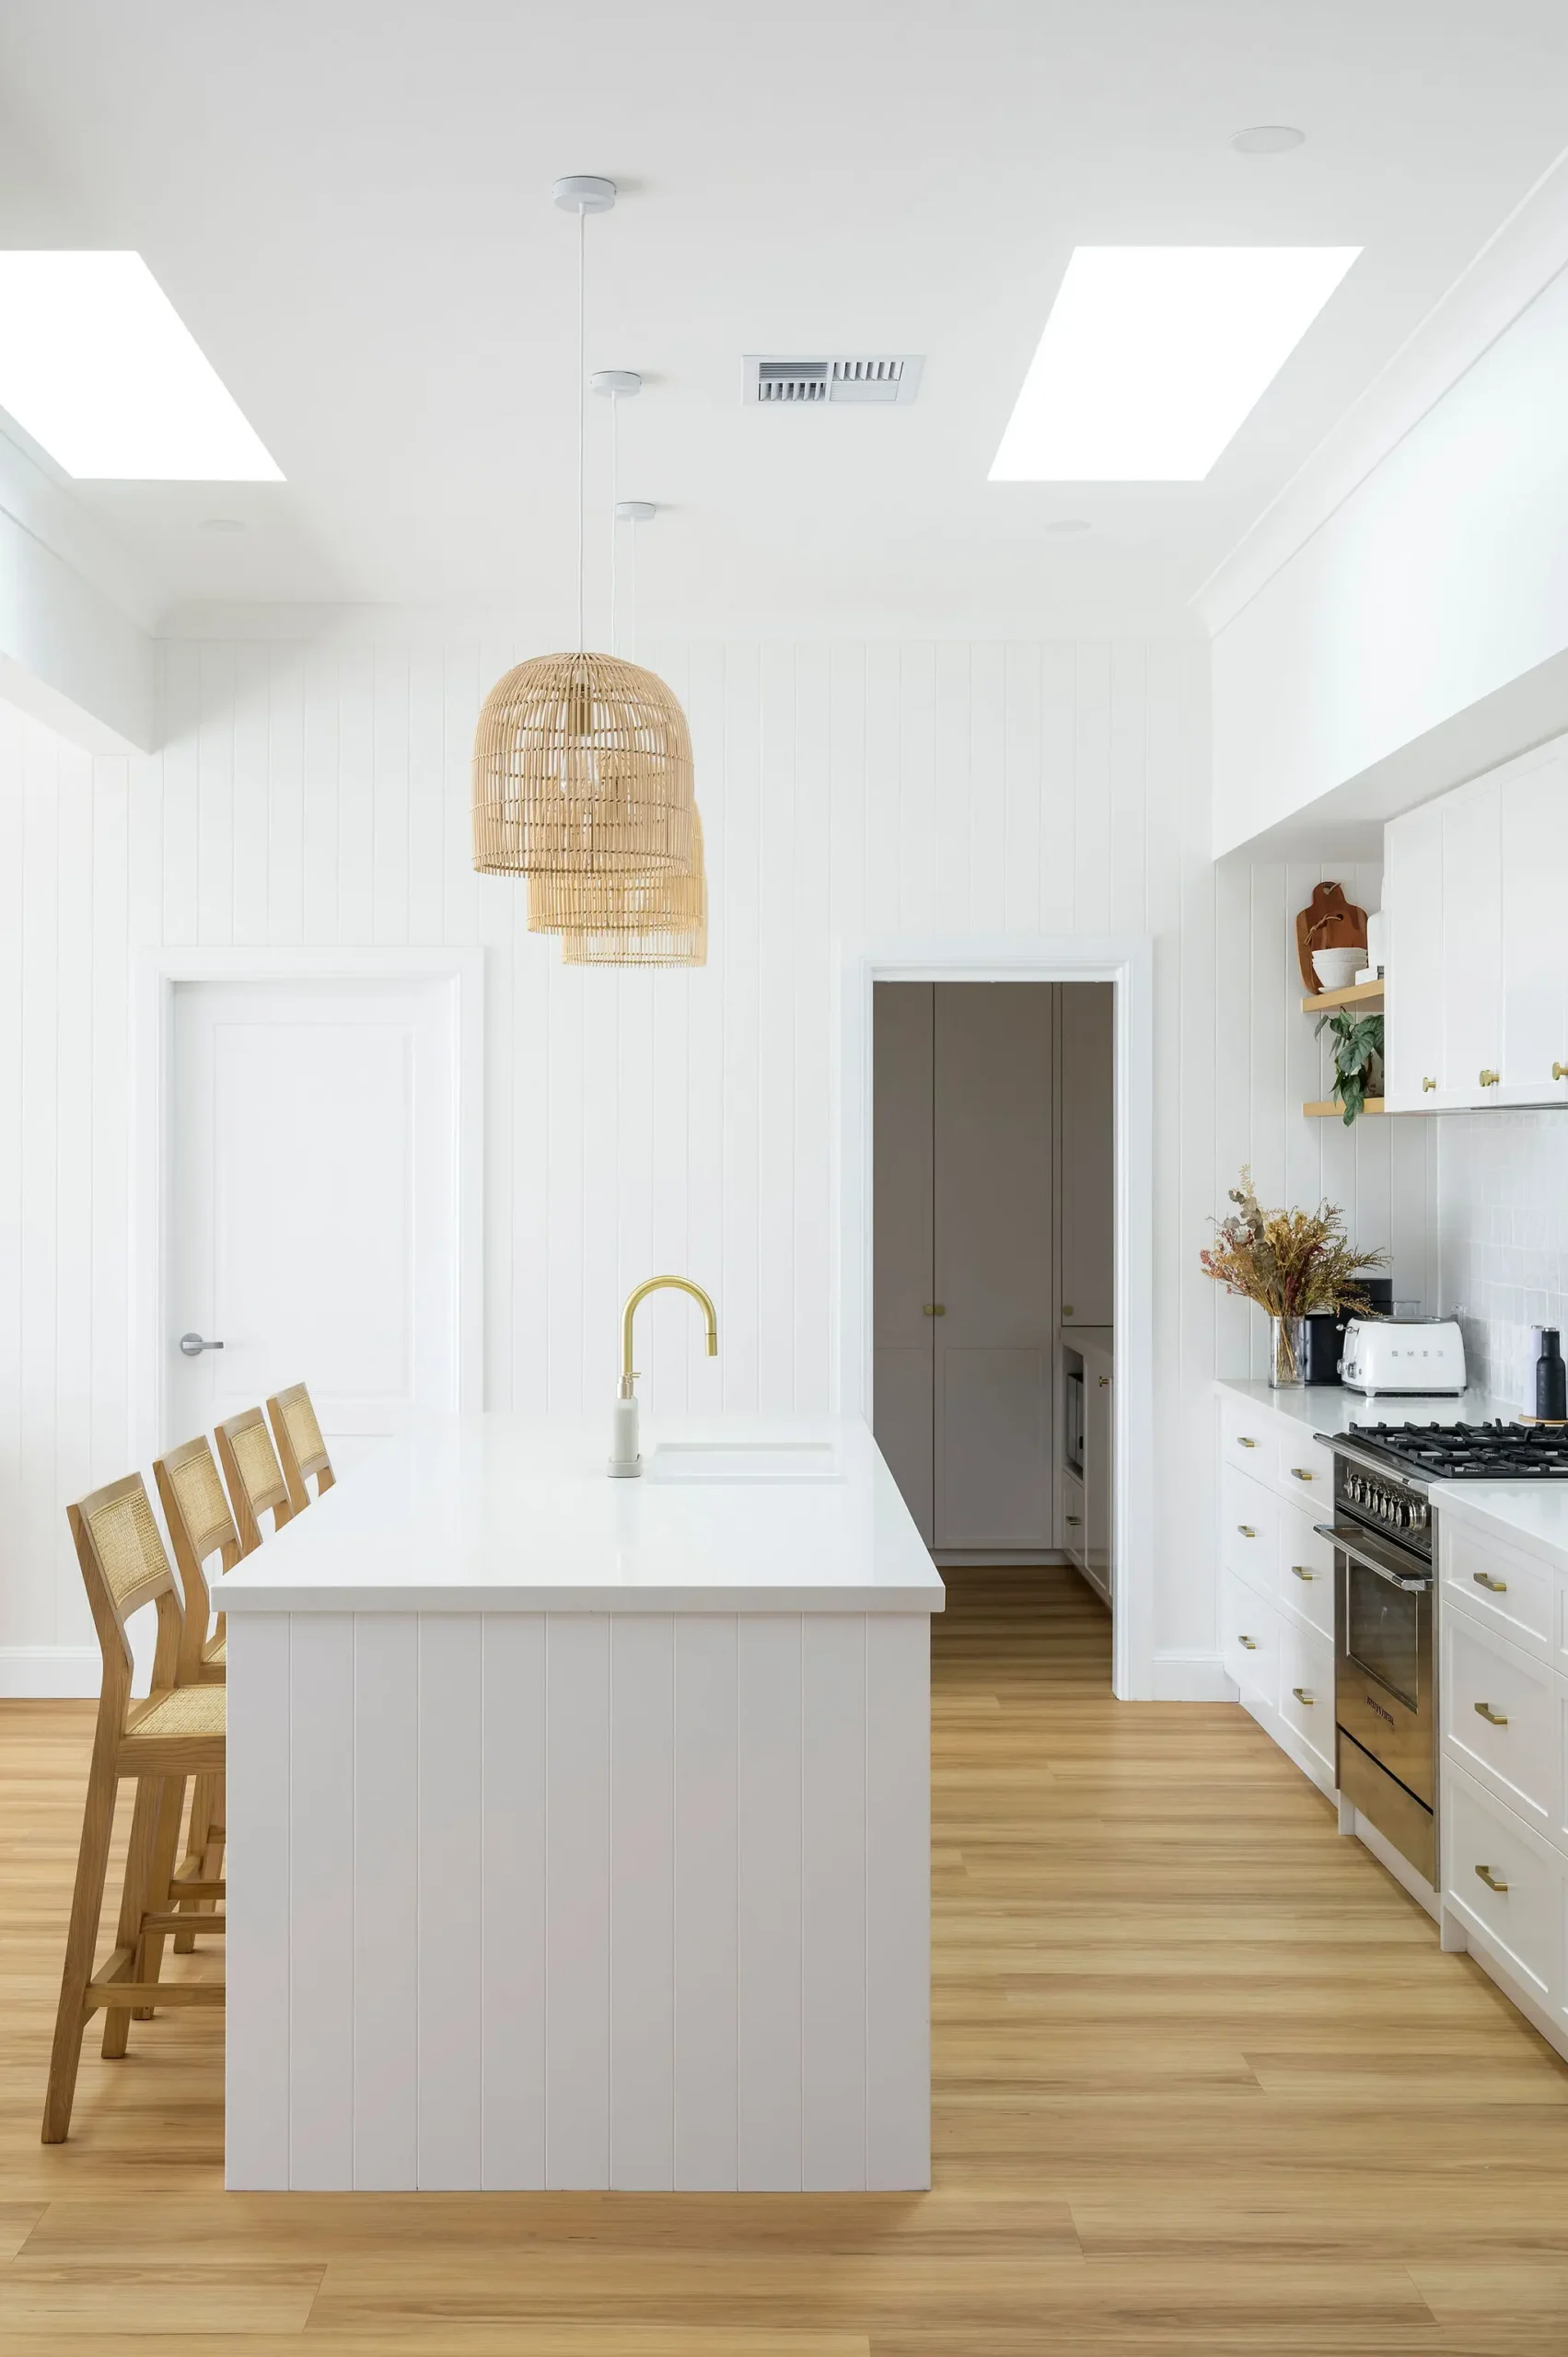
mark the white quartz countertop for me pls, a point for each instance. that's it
(1331, 1408)
(499, 1513)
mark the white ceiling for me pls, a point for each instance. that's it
(348, 203)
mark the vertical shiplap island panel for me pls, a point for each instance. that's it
(612, 1897)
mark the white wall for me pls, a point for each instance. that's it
(1502, 1206)
(319, 790)
(1420, 634)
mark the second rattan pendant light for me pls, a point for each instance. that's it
(582, 764)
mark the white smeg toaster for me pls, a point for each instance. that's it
(1403, 1354)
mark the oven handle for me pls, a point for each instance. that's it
(1347, 1544)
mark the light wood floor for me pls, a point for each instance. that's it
(1204, 2083)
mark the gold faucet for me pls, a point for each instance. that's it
(656, 1284)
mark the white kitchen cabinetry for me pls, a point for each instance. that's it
(1477, 997)
(1087, 1518)
(1502, 1799)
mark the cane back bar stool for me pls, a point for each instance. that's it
(256, 1485)
(200, 1526)
(301, 1450)
(175, 1732)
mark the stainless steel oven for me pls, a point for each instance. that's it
(1384, 1681)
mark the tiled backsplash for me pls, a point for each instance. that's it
(1503, 1239)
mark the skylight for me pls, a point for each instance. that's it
(98, 366)
(1153, 355)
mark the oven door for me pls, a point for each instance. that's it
(1383, 1685)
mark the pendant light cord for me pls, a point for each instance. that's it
(614, 495)
(582, 412)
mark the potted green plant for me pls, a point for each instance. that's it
(1292, 1264)
(1358, 1057)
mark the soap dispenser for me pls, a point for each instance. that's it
(1552, 1381)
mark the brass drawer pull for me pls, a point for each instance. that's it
(934, 1309)
(1302, 1573)
(1251, 1643)
(1428, 1084)
(1074, 1518)
(1488, 1078)
(1490, 1879)
(1243, 1441)
(1246, 1530)
(1494, 1718)
(1484, 1579)
(1559, 1072)
(1300, 1473)
(1303, 1696)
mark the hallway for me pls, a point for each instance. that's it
(1204, 2083)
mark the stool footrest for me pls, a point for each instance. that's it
(174, 1922)
(102, 1993)
(196, 1889)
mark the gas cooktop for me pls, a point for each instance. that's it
(1468, 1452)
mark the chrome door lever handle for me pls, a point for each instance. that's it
(192, 1345)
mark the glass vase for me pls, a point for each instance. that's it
(1287, 1352)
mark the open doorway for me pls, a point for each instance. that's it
(994, 1258)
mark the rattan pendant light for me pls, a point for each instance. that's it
(582, 764)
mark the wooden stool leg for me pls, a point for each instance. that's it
(81, 1941)
(132, 1907)
(198, 1841)
(166, 1840)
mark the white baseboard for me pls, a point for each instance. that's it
(1185, 1674)
(996, 1559)
(50, 1673)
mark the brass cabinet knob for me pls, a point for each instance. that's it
(1494, 1718)
(1246, 1530)
(1251, 1643)
(1559, 1072)
(934, 1309)
(1066, 1309)
(1302, 1573)
(1488, 1077)
(1484, 1579)
(1490, 1879)
(1104, 1383)
(1427, 1084)
(1300, 1473)
(1303, 1696)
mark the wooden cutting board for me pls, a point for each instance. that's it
(1327, 922)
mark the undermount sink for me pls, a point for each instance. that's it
(743, 1460)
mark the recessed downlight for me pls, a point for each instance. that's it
(1268, 139)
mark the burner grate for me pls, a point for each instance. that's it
(1497, 1452)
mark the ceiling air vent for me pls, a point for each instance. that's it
(810, 383)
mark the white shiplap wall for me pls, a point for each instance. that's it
(316, 790)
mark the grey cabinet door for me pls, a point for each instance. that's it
(903, 1247)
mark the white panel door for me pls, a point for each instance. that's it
(995, 1224)
(1534, 808)
(1472, 947)
(1086, 1097)
(904, 1241)
(310, 1211)
(1413, 892)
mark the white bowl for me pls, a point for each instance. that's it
(1337, 968)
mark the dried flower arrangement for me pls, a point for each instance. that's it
(1290, 1263)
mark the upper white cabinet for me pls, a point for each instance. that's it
(1476, 886)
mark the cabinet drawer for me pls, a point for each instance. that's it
(1249, 1640)
(1306, 1688)
(1305, 1471)
(1306, 1571)
(1484, 1844)
(1248, 1440)
(1074, 1535)
(1491, 1581)
(1500, 1718)
(1248, 1525)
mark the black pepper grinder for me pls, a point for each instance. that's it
(1551, 1380)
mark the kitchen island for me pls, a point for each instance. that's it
(578, 1828)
